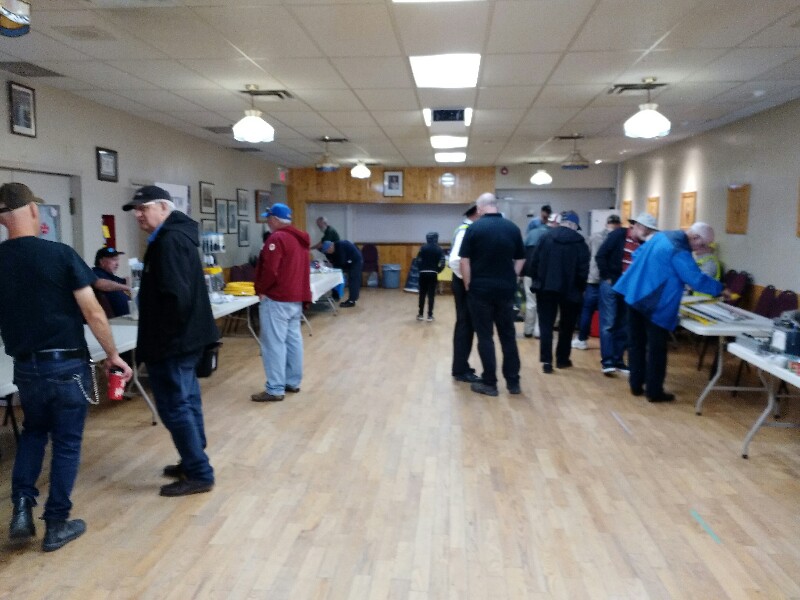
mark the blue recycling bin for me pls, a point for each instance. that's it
(391, 276)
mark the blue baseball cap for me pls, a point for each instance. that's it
(572, 217)
(279, 210)
(326, 246)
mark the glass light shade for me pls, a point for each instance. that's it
(447, 179)
(647, 123)
(253, 129)
(541, 177)
(360, 171)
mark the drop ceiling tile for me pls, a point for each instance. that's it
(111, 99)
(756, 91)
(202, 118)
(435, 98)
(168, 74)
(569, 96)
(350, 29)
(363, 134)
(500, 97)
(544, 26)
(330, 100)
(388, 118)
(389, 99)
(232, 73)
(318, 132)
(303, 120)
(357, 118)
(261, 31)
(516, 69)
(688, 93)
(97, 74)
(441, 28)
(375, 72)
(36, 47)
(214, 100)
(789, 70)
(498, 117)
(593, 67)
(399, 133)
(489, 131)
(297, 74)
(742, 64)
(160, 100)
(66, 83)
(669, 66)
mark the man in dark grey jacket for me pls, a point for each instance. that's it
(559, 268)
(175, 326)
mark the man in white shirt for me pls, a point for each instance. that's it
(463, 333)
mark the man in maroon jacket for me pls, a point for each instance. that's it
(283, 285)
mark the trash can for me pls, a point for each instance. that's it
(391, 276)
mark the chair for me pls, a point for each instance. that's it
(369, 252)
(102, 299)
(766, 308)
(785, 301)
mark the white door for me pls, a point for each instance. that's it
(54, 190)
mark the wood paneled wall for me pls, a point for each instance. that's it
(421, 185)
(398, 254)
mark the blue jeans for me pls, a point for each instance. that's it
(54, 405)
(281, 344)
(177, 395)
(613, 326)
(488, 313)
(591, 300)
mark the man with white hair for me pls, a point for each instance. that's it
(652, 288)
(329, 234)
(175, 326)
(492, 255)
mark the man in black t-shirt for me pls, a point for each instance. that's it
(45, 296)
(492, 255)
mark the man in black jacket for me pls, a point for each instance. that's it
(431, 263)
(559, 268)
(175, 326)
(344, 255)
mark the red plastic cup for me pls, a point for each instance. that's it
(116, 384)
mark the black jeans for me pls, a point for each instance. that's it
(427, 289)
(548, 305)
(354, 280)
(488, 313)
(463, 333)
(647, 354)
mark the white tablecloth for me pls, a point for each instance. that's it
(322, 282)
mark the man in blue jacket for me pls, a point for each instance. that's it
(652, 288)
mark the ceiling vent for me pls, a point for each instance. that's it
(26, 69)
(226, 129)
(246, 150)
(638, 89)
(327, 164)
(575, 161)
(84, 33)
(271, 95)
(447, 115)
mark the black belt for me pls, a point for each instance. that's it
(49, 355)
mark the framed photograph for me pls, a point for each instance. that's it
(738, 212)
(393, 183)
(244, 233)
(107, 164)
(263, 202)
(241, 201)
(22, 109)
(221, 222)
(206, 197)
(232, 216)
(688, 209)
(208, 226)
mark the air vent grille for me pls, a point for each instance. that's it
(634, 88)
(219, 128)
(26, 69)
(447, 114)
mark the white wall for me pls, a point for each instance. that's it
(68, 130)
(762, 151)
(519, 177)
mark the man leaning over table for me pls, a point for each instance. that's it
(175, 326)
(652, 287)
(283, 284)
(45, 296)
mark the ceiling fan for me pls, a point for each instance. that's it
(326, 163)
(575, 161)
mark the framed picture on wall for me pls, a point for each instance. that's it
(738, 210)
(625, 211)
(107, 164)
(232, 216)
(688, 209)
(263, 202)
(208, 225)
(206, 197)
(652, 206)
(221, 221)
(393, 183)
(244, 233)
(22, 109)
(241, 201)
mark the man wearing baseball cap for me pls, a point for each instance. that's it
(346, 256)
(113, 288)
(45, 296)
(175, 327)
(283, 284)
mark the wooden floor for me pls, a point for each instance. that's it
(384, 478)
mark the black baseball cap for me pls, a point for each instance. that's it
(146, 194)
(105, 252)
(613, 220)
(471, 210)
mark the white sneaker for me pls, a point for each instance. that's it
(580, 344)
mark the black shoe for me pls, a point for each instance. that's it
(662, 397)
(291, 389)
(637, 391)
(547, 368)
(22, 526)
(528, 335)
(483, 388)
(513, 388)
(564, 364)
(184, 487)
(265, 397)
(347, 303)
(174, 471)
(61, 533)
(621, 367)
(469, 377)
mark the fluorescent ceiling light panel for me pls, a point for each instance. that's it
(450, 157)
(446, 70)
(444, 142)
(467, 117)
(427, 114)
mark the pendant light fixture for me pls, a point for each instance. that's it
(648, 123)
(541, 177)
(252, 128)
(360, 171)
(575, 161)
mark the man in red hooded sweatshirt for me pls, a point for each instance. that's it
(283, 285)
